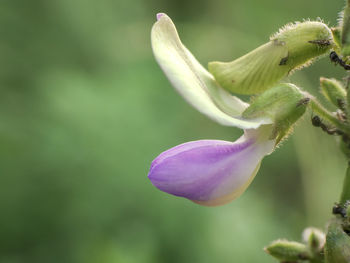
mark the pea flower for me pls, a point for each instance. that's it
(214, 172)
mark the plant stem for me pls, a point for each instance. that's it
(345, 196)
(328, 116)
(316, 261)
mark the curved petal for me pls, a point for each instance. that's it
(193, 81)
(210, 172)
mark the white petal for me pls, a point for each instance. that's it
(193, 81)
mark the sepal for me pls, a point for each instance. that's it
(284, 104)
(293, 47)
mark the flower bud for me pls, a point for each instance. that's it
(345, 34)
(284, 104)
(284, 250)
(293, 47)
(334, 92)
(337, 248)
(314, 238)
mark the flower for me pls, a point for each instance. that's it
(214, 172)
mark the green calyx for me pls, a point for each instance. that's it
(284, 104)
(305, 41)
(293, 47)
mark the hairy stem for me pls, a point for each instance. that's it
(345, 196)
(328, 116)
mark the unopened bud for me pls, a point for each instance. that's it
(334, 92)
(288, 250)
(314, 238)
(293, 47)
(284, 104)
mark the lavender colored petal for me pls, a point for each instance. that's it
(209, 172)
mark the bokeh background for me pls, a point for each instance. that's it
(84, 109)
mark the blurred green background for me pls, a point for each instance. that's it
(84, 109)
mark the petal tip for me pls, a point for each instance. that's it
(159, 15)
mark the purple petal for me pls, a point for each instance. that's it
(209, 172)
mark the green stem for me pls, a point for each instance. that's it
(316, 261)
(345, 195)
(348, 94)
(328, 116)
